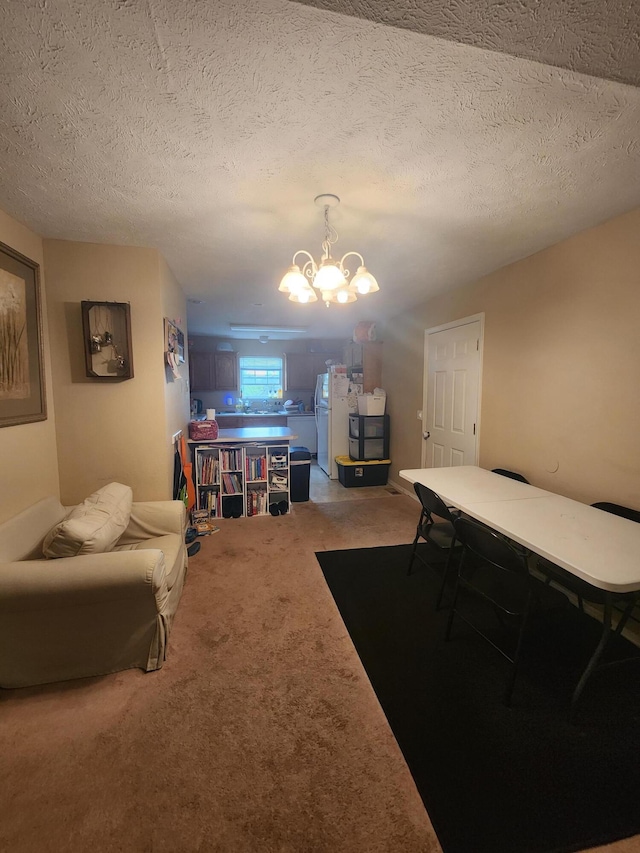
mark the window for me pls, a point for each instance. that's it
(260, 378)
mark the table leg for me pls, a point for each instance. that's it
(595, 657)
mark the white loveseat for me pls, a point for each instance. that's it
(93, 613)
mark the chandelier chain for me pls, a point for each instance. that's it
(330, 234)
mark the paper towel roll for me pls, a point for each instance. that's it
(211, 414)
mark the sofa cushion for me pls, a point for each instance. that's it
(92, 527)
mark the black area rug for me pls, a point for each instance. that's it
(494, 779)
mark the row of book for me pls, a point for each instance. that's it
(231, 459)
(257, 502)
(209, 500)
(256, 467)
(231, 483)
(207, 469)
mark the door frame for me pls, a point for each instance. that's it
(464, 321)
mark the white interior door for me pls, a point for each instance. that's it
(453, 356)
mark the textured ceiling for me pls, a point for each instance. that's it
(206, 130)
(598, 38)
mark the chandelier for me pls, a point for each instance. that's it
(330, 276)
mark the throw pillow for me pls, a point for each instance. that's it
(93, 526)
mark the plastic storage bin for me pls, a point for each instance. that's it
(368, 426)
(300, 464)
(368, 437)
(353, 473)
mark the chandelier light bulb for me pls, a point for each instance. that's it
(342, 296)
(329, 276)
(364, 282)
(304, 295)
(293, 280)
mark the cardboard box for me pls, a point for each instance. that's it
(371, 404)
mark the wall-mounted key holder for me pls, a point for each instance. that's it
(107, 340)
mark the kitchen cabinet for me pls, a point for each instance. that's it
(226, 371)
(302, 369)
(201, 370)
(213, 371)
(365, 358)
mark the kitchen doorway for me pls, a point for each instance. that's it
(451, 394)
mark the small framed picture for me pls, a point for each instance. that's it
(174, 342)
(106, 327)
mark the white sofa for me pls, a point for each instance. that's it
(89, 614)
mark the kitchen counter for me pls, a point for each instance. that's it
(241, 420)
(279, 414)
(249, 435)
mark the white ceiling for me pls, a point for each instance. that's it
(206, 130)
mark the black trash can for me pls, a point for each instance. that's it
(300, 461)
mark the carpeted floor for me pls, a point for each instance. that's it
(494, 779)
(261, 732)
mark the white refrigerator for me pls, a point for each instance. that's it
(335, 399)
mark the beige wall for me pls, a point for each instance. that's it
(176, 391)
(561, 366)
(109, 430)
(28, 462)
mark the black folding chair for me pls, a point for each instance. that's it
(513, 475)
(496, 572)
(439, 535)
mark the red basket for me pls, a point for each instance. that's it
(203, 430)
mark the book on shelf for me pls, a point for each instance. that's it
(207, 468)
(232, 483)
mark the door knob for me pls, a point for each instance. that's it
(426, 435)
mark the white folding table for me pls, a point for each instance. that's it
(598, 547)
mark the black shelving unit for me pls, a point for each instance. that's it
(368, 437)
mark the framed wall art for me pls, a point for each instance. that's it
(106, 327)
(174, 342)
(22, 389)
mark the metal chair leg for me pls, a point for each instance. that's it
(413, 554)
(447, 571)
(421, 523)
(625, 615)
(447, 632)
(511, 683)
